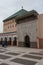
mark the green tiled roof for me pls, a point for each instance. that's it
(21, 13)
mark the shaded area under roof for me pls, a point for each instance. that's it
(20, 14)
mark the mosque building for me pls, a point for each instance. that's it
(23, 23)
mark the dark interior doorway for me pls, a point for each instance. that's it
(1, 41)
(15, 41)
(9, 42)
(27, 41)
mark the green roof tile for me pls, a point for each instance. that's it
(21, 13)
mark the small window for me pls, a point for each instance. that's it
(8, 26)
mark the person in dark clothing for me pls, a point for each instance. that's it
(4, 43)
(1, 41)
(9, 42)
(27, 41)
(15, 41)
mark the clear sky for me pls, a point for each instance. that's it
(9, 7)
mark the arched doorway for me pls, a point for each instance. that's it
(15, 41)
(27, 41)
(9, 42)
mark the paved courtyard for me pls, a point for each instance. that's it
(20, 56)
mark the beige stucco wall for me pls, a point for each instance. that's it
(40, 31)
(9, 26)
(40, 26)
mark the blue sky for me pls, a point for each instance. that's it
(9, 7)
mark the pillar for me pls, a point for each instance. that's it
(40, 29)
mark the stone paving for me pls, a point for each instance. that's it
(20, 56)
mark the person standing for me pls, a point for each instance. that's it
(4, 43)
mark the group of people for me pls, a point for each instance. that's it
(5, 43)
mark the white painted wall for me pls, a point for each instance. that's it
(28, 27)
